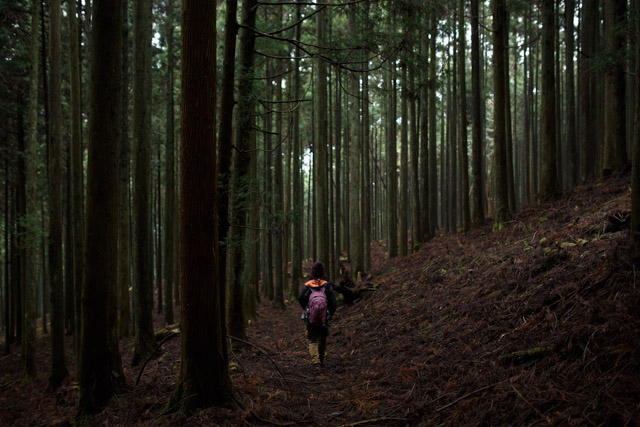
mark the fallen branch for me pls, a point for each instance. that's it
(268, 357)
(167, 338)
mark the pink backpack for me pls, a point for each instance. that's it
(317, 308)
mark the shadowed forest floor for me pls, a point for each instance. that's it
(534, 324)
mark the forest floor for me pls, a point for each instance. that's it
(534, 324)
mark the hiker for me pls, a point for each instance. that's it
(319, 303)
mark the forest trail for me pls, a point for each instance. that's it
(533, 324)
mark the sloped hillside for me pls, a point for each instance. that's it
(533, 324)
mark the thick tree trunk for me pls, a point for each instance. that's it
(204, 377)
(143, 278)
(100, 368)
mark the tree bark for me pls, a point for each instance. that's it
(225, 146)
(501, 203)
(100, 372)
(204, 377)
(462, 137)
(404, 167)
(169, 239)
(240, 173)
(58, 364)
(615, 154)
(477, 157)
(549, 186)
(355, 224)
(31, 239)
(143, 278)
(124, 273)
(571, 166)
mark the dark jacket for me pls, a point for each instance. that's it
(303, 299)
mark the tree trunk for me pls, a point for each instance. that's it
(462, 137)
(635, 169)
(320, 144)
(404, 167)
(571, 166)
(169, 240)
(615, 154)
(225, 146)
(204, 377)
(425, 198)
(549, 186)
(100, 372)
(588, 145)
(58, 364)
(433, 158)
(124, 273)
(31, 239)
(415, 183)
(355, 224)
(240, 173)
(296, 177)
(143, 278)
(507, 113)
(501, 200)
(477, 157)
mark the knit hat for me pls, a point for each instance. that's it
(317, 270)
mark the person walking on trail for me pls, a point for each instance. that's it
(319, 303)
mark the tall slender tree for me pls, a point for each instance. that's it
(571, 164)
(240, 171)
(169, 240)
(501, 210)
(433, 160)
(320, 143)
(296, 177)
(58, 365)
(588, 37)
(462, 136)
(143, 279)
(615, 154)
(124, 230)
(477, 157)
(549, 185)
(353, 165)
(100, 372)
(403, 210)
(31, 275)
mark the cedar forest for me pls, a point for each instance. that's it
(468, 171)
